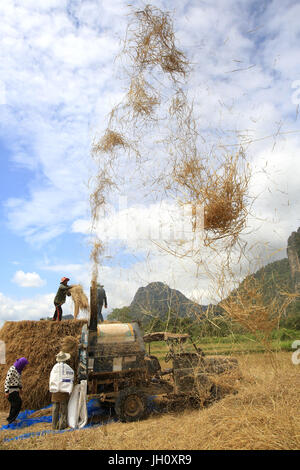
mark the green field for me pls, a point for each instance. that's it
(281, 340)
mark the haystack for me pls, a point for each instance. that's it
(39, 342)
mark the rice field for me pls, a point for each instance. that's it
(263, 415)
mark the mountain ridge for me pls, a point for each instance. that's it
(158, 299)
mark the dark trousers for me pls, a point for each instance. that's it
(15, 406)
(60, 415)
(99, 312)
(58, 313)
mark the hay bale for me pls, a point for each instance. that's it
(39, 342)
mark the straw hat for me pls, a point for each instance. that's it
(62, 356)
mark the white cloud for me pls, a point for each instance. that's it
(187, 266)
(77, 273)
(138, 225)
(64, 268)
(35, 308)
(28, 279)
(60, 79)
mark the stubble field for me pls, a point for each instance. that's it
(263, 415)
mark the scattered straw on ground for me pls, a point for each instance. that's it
(263, 415)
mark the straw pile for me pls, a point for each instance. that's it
(80, 300)
(69, 344)
(39, 342)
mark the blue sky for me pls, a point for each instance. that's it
(58, 82)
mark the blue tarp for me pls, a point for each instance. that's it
(94, 409)
(24, 420)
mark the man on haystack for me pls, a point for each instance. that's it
(61, 385)
(60, 298)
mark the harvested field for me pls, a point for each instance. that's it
(39, 342)
(262, 416)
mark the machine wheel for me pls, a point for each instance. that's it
(131, 405)
(195, 402)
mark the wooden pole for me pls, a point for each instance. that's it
(93, 307)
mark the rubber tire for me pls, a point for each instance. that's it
(122, 401)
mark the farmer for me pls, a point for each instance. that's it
(60, 298)
(101, 298)
(13, 387)
(61, 386)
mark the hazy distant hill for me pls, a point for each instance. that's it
(159, 300)
(274, 278)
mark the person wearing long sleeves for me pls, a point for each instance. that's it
(101, 299)
(61, 383)
(13, 387)
(60, 298)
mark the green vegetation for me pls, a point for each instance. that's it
(211, 326)
(214, 336)
(120, 314)
(274, 278)
(233, 344)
